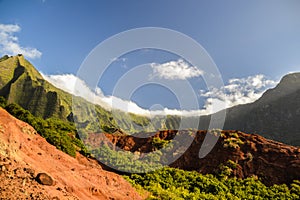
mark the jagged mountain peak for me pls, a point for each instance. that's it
(10, 64)
(29, 67)
(21, 83)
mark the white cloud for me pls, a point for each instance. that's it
(239, 91)
(67, 82)
(9, 43)
(117, 59)
(121, 61)
(175, 70)
(74, 85)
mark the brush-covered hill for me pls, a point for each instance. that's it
(236, 154)
(31, 168)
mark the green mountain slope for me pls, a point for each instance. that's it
(22, 84)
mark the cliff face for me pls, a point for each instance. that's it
(21, 83)
(245, 154)
(31, 168)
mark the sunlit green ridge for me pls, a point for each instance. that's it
(21, 83)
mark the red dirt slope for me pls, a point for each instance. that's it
(24, 154)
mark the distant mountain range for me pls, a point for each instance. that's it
(276, 115)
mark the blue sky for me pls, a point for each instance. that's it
(244, 38)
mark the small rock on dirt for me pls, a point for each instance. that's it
(44, 179)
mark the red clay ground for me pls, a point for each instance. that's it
(24, 154)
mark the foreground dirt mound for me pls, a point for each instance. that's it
(30, 168)
(245, 154)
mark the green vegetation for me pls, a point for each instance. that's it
(7, 71)
(225, 170)
(216, 132)
(169, 183)
(172, 122)
(57, 132)
(163, 151)
(158, 143)
(139, 120)
(5, 57)
(233, 141)
(127, 161)
(2, 102)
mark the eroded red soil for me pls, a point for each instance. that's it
(24, 154)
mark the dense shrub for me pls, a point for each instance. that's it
(126, 161)
(170, 183)
(233, 141)
(158, 143)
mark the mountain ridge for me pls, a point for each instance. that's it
(274, 115)
(26, 87)
(21, 83)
